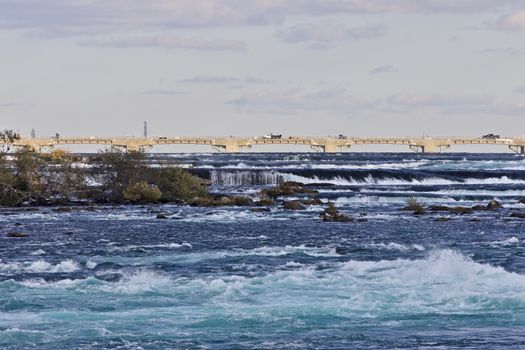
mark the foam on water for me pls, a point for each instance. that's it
(445, 282)
(38, 252)
(229, 216)
(151, 246)
(507, 242)
(390, 246)
(40, 266)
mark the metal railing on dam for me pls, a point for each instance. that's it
(233, 144)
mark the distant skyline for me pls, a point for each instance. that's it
(251, 67)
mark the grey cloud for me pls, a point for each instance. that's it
(510, 51)
(513, 22)
(162, 92)
(451, 104)
(336, 100)
(210, 80)
(93, 17)
(520, 89)
(223, 80)
(168, 42)
(386, 68)
(409, 100)
(327, 33)
(340, 101)
(12, 104)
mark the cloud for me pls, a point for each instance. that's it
(410, 100)
(12, 104)
(168, 42)
(96, 17)
(509, 51)
(386, 68)
(335, 100)
(327, 32)
(210, 80)
(223, 80)
(162, 92)
(514, 22)
(452, 104)
(520, 89)
(339, 101)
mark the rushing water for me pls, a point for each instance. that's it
(233, 278)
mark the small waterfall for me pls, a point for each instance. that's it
(246, 178)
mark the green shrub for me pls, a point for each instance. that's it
(116, 169)
(142, 192)
(177, 184)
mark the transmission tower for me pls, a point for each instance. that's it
(145, 130)
(33, 133)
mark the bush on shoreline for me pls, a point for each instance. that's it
(142, 192)
(28, 178)
(116, 176)
(176, 184)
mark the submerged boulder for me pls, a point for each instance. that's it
(63, 209)
(494, 204)
(293, 205)
(221, 201)
(16, 234)
(455, 210)
(265, 202)
(224, 201)
(331, 214)
(202, 202)
(314, 201)
(342, 250)
(240, 200)
(161, 216)
(289, 188)
(260, 210)
(439, 208)
(461, 210)
(518, 215)
(480, 207)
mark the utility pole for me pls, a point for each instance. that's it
(145, 129)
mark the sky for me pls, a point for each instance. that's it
(252, 67)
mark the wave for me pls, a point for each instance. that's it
(370, 180)
(445, 282)
(359, 178)
(397, 246)
(38, 252)
(40, 266)
(313, 166)
(151, 246)
(346, 164)
(507, 242)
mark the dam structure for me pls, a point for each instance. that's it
(236, 144)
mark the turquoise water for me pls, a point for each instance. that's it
(231, 278)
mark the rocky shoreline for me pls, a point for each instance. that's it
(289, 196)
